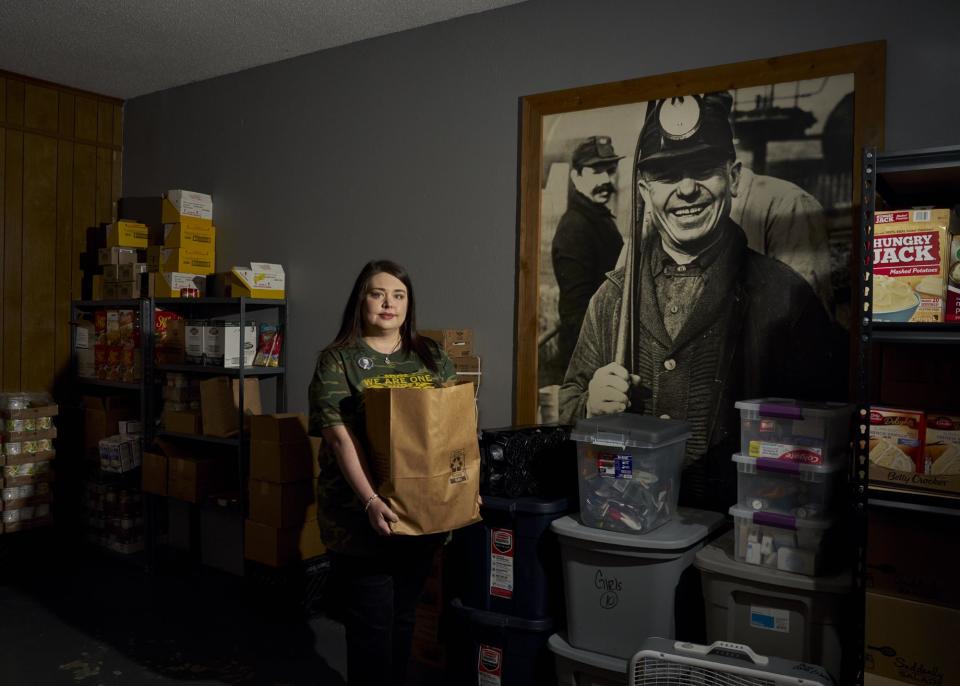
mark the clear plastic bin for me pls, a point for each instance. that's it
(629, 470)
(795, 431)
(807, 491)
(784, 542)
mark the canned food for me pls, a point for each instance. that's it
(44, 423)
(12, 493)
(15, 402)
(30, 424)
(11, 516)
(30, 447)
(26, 491)
(13, 471)
(44, 445)
(15, 425)
(15, 448)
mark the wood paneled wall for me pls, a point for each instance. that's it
(60, 157)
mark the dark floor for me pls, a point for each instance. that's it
(73, 615)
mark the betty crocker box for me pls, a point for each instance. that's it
(910, 260)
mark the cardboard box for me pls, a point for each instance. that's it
(190, 260)
(102, 415)
(192, 478)
(279, 428)
(910, 261)
(154, 474)
(111, 273)
(190, 203)
(157, 210)
(123, 290)
(913, 555)
(96, 287)
(220, 401)
(261, 280)
(279, 547)
(127, 234)
(168, 285)
(185, 422)
(911, 641)
(283, 504)
(285, 462)
(468, 364)
(455, 342)
(131, 271)
(181, 235)
(115, 256)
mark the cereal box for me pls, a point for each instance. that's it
(910, 251)
(953, 281)
(942, 445)
(896, 439)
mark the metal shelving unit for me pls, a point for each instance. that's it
(907, 179)
(233, 309)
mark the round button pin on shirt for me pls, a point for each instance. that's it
(670, 364)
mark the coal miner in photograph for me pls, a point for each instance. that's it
(695, 319)
(587, 243)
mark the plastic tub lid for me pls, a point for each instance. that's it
(559, 646)
(629, 429)
(687, 528)
(788, 408)
(527, 505)
(717, 557)
(501, 621)
(783, 521)
(808, 472)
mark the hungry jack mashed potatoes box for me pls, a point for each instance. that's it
(910, 260)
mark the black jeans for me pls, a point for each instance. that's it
(377, 598)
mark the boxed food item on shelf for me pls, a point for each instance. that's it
(190, 260)
(85, 338)
(116, 255)
(269, 346)
(122, 290)
(169, 335)
(261, 280)
(174, 284)
(220, 400)
(102, 415)
(911, 641)
(953, 281)
(454, 342)
(629, 467)
(120, 453)
(232, 348)
(111, 273)
(942, 444)
(910, 260)
(213, 342)
(794, 431)
(131, 271)
(785, 542)
(193, 340)
(808, 491)
(182, 235)
(127, 234)
(896, 440)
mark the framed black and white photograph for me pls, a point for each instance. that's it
(762, 156)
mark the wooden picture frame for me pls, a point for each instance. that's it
(866, 62)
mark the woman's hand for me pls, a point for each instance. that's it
(381, 517)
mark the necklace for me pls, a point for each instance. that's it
(386, 356)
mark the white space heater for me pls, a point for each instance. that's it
(661, 662)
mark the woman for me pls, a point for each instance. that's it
(378, 576)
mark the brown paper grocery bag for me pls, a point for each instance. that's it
(425, 455)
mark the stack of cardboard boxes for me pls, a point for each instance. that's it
(122, 260)
(26, 452)
(282, 525)
(458, 344)
(178, 242)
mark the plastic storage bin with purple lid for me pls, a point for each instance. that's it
(629, 470)
(807, 491)
(795, 431)
(784, 542)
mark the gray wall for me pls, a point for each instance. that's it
(406, 146)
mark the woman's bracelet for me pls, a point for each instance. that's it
(370, 502)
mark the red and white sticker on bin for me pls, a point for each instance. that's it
(501, 563)
(489, 666)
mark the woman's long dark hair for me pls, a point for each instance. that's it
(351, 324)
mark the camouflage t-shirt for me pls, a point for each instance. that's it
(336, 397)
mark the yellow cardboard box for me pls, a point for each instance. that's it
(262, 280)
(192, 260)
(185, 235)
(127, 234)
